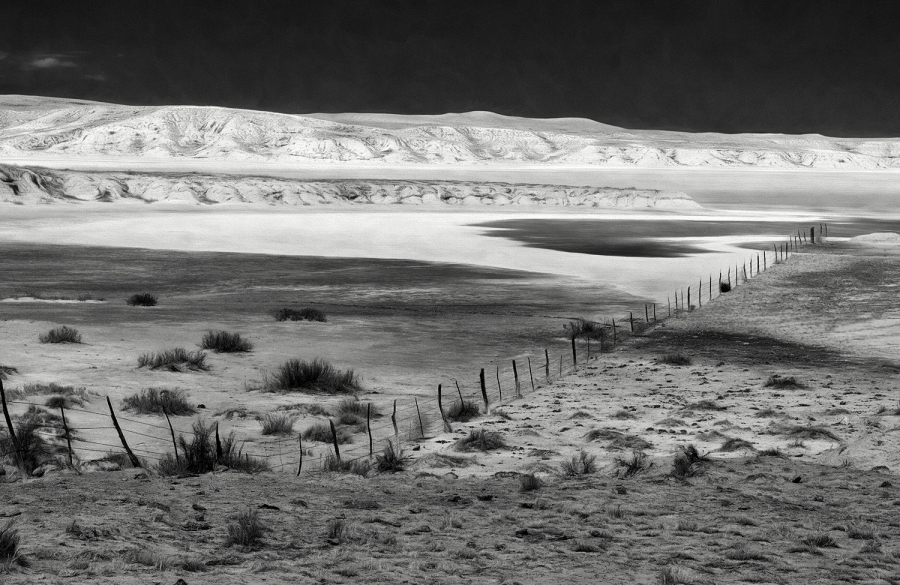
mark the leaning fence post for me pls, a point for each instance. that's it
(131, 456)
(421, 424)
(394, 422)
(745, 271)
(334, 440)
(447, 427)
(547, 363)
(516, 377)
(300, 465)
(369, 429)
(531, 375)
(484, 392)
(499, 389)
(171, 430)
(62, 411)
(12, 433)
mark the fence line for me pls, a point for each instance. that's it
(414, 419)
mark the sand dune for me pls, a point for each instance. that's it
(47, 129)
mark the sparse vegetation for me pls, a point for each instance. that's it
(34, 450)
(315, 376)
(481, 440)
(245, 529)
(321, 433)
(463, 411)
(724, 287)
(632, 466)
(199, 454)
(391, 459)
(799, 432)
(7, 371)
(62, 334)
(142, 300)
(735, 444)
(331, 464)
(9, 547)
(675, 359)
(304, 314)
(277, 424)
(154, 400)
(174, 360)
(820, 540)
(689, 462)
(705, 405)
(582, 463)
(773, 452)
(148, 558)
(583, 328)
(225, 342)
(529, 482)
(778, 381)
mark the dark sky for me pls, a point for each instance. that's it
(727, 66)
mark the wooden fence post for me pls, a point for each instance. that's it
(631, 320)
(530, 374)
(654, 312)
(574, 355)
(369, 428)
(499, 389)
(516, 377)
(720, 282)
(300, 465)
(334, 440)
(812, 235)
(689, 299)
(765, 267)
(447, 427)
(484, 392)
(218, 444)
(710, 287)
(669, 302)
(646, 313)
(394, 422)
(700, 294)
(745, 271)
(615, 339)
(172, 431)
(62, 411)
(419, 414)
(560, 365)
(12, 433)
(131, 456)
(547, 364)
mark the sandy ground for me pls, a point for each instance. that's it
(746, 517)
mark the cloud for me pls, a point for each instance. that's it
(50, 62)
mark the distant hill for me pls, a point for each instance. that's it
(44, 129)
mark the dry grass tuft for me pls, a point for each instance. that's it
(62, 334)
(799, 432)
(321, 433)
(530, 482)
(174, 360)
(675, 359)
(463, 411)
(277, 424)
(778, 381)
(245, 529)
(481, 440)
(225, 342)
(391, 459)
(7, 371)
(10, 554)
(736, 444)
(631, 467)
(154, 400)
(305, 314)
(142, 300)
(581, 464)
(316, 376)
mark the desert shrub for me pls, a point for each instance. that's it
(304, 314)
(391, 459)
(315, 376)
(277, 424)
(154, 400)
(735, 444)
(626, 441)
(321, 433)
(9, 546)
(225, 342)
(583, 328)
(62, 334)
(463, 411)
(142, 300)
(724, 287)
(351, 412)
(860, 531)
(798, 432)
(34, 450)
(331, 464)
(704, 405)
(675, 359)
(581, 463)
(773, 452)
(529, 482)
(7, 371)
(778, 381)
(688, 462)
(632, 466)
(199, 454)
(174, 360)
(480, 440)
(245, 529)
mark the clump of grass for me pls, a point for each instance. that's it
(798, 433)
(689, 462)
(626, 441)
(582, 463)
(675, 359)
(705, 405)
(62, 334)
(624, 415)
(632, 466)
(331, 464)
(142, 300)
(10, 554)
(155, 400)
(277, 424)
(7, 371)
(529, 482)
(583, 328)
(174, 360)
(724, 287)
(820, 540)
(778, 381)
(315, 376)
(304, 314)
(321, 433)
(199, 454)
(859, 531)
(480, 440)
(767, 413)
(245, 529)
(34, 450)
(147, 558)
(602, 434)
(744, 553)
(352, 412)
(735, 444)
(391, 459)
(463, 411)
(773, 452)
(675, 575)
(225, 342)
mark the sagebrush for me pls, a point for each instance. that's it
(62, 334)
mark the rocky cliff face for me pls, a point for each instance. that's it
(44, 128)
(33, 185)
